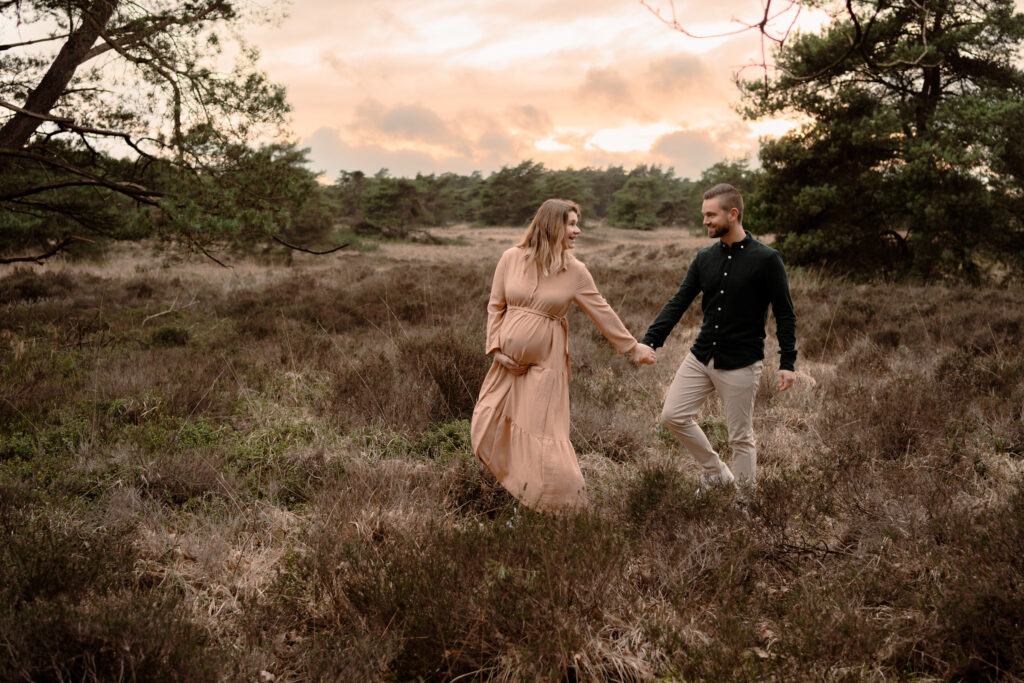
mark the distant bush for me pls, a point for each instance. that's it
(26, 285)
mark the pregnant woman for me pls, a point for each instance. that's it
(520, 425)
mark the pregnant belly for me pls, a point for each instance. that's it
(527, 341)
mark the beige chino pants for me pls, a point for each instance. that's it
(692, 385)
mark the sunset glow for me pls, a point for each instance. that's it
(772, 127)
(458, 86)
(549, 145)
(629, 138)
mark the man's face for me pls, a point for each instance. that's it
(716, 219)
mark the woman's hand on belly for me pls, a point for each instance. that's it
(511, 365)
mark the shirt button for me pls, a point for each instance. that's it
(716, 327)
(714, 343)
(719, 308)
(721, 291)
(730, 257)
(727, 274)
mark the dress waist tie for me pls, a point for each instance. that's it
(558, 318)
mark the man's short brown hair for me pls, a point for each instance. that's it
(728, 198)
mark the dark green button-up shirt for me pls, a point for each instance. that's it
(738, 282)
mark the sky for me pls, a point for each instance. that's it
(462, 85)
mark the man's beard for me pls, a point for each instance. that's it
(717, 231)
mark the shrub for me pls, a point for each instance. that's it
(490, 597)
(454, 363)
(169, 335)
(71, 608)
(446, 441)
(25, 285)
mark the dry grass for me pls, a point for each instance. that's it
(210, 474)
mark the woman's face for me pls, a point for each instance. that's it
(572, 230)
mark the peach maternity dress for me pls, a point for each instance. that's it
(520, 428)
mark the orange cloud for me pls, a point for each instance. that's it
(462, 86)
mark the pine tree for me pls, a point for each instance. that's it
(911, 158)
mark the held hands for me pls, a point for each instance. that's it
(511, 365)
(786, 378)
(643, 355)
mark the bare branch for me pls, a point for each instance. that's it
(172, 309)
(308, 251)
(39, 258)
(11, 46)
(209, 255)
(674, 24)
(762, 26)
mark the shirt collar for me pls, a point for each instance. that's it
(738, 245)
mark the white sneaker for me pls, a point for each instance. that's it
(723, 479)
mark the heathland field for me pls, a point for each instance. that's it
(263, 473)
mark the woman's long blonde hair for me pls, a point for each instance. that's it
(545, 238)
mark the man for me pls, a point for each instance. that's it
(738, 278)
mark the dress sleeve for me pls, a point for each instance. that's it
(496, 305)
(594, 305)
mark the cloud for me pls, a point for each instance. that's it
(457, 86)
(498, 144)
(529, 118)
(678, 73)
(332, 151)
(406, 123)
(688, 151)
(330, 154)
(336, 64)
(608, 87)
(545, 11)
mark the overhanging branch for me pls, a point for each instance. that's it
(69, 125)
(38, 189)
(308, 251)
(139, 193)
(39, 258)
(11, 46)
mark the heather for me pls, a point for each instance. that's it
(211, 474)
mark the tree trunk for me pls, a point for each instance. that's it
(17, 131)
(931, 86)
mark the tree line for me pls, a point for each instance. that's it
(642, 198)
